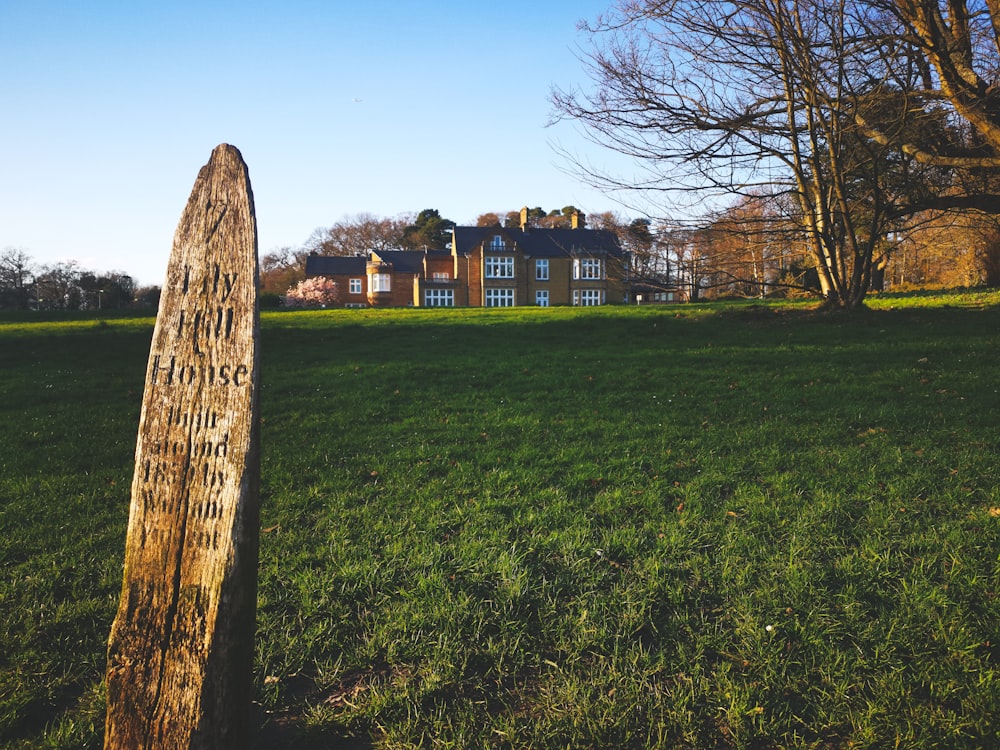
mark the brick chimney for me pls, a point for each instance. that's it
(578, 220)
(524, 219)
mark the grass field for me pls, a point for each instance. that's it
(718, 526)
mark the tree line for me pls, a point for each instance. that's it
(752, 249)
(756, 248)
(26, 285)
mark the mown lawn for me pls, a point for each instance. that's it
(714, 526)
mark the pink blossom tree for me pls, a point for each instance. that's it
(315, 292)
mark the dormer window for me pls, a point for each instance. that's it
(497, 244)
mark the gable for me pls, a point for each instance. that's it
(466, 240)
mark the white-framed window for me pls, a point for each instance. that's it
(498, 244)
(542, 297)
(588, 297)
(588, 268)
(381, 282)
(439, 297)
(355, 286)
(542, 269)
(499, 267)
(441, 276)
(499, 298)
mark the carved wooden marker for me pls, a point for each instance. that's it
(180, 655)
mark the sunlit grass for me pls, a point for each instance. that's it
(703, 526)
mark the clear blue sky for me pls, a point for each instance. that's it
(110, 108)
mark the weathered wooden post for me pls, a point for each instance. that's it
(180, 654)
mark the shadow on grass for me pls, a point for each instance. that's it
(291, 728)
(291, 734)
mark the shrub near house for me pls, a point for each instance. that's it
(318, 291)
(486, 267)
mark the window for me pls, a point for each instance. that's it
(439, 297)
(542, 297)
(542, 269)
(381, 282)
(500, 267)
(441, 276)
(498, 244)
(588, 268)
(355, 286)
(499, 297)
(588, 297)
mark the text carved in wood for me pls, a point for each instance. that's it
(180, 652)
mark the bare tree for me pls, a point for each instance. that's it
(58, 287)
(945, 249)
(691, 251)
(752, 97)
(358, 234)
(988, 256)
(954, 45)
(282, 268)
(16, 276)
(747, 249)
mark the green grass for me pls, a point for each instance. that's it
(707, 526)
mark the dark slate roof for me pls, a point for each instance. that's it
(329, 265)
(653, 285)
(542, 243)
(403, 261)
(409, 261)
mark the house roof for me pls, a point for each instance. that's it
(537, 243)
(650, 284)
(542, 243)
(330, 265)
(409, 261)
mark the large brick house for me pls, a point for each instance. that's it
(487, 267)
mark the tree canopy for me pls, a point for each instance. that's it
(429, 231)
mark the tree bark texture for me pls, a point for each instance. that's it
(180, 653)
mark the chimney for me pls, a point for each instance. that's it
(524, 219)
(578, 220)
